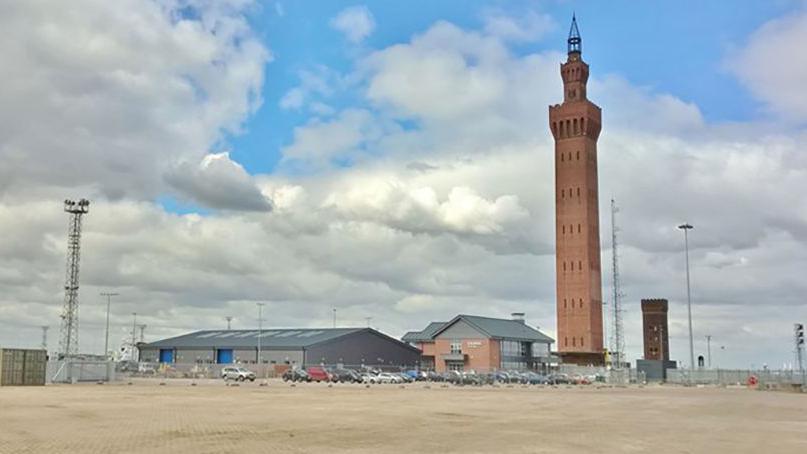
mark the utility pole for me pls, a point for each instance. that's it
(45, 337)
(68, 344)
(798, 337)
(368, 320)
(229, 318)
(709, 351)
(334, 317)
(686, 228)
(106, 337)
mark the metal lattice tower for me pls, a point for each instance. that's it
(68, 343)
(142, 332)
(617, 338)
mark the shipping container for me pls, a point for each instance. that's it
(22, 367)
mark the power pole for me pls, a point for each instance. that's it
(334, 317)
(709, 350)
(45, 337)
(617, 339)
(368, 320)
(229, 318)
(68, 344)
(106, 337)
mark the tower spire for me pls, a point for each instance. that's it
(574, 41)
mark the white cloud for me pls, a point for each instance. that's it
(355, 22)
(774, 65)
(124, 90)
(530, 26)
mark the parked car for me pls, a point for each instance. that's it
(318, 374)
(296, 375)
(237, 373)
(559, 379)
(534, 378)
(345, 376)
(434, 376)
(386, 377)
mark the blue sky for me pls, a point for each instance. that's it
(678, 48)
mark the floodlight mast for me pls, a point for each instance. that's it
(68, 342)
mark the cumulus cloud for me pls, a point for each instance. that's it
(774, 67)
(529, 27)
(110, 95)
(219, 182)
(355, 22)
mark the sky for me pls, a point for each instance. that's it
(393, 161)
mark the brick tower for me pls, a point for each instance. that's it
(575, 126)
(656, 333)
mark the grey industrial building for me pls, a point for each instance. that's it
(304, 346)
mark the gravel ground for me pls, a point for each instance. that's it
(147, 417)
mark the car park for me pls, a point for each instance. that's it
(237, 373)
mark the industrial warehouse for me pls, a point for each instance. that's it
(290, 347)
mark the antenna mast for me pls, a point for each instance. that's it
(68, 344)
(617, 339)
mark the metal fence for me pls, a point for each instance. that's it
(72, 371)
(725, 377)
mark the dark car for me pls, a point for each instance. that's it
(345, 376)
(434, 376)
(534, 378)
(295, 375)
(559, 379)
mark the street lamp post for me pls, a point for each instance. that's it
(260, 331)
(106, 338)
(686, 227)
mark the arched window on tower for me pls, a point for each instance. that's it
(564, 229)
(581, 341)
(574, 124)
(583, 125)
(578, 155)
(578, 228)
(574, 342)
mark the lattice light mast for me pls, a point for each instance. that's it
(68, 344)
(617, 339)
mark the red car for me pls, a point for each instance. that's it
(318, 374)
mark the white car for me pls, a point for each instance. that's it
(385, 377)
(237, 373)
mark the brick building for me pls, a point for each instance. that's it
(654, 327)
(575, 126)
(482, 344)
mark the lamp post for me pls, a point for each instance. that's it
(106, 338)
(260, 331)
(686, 227)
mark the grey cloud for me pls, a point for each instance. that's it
(218, 182)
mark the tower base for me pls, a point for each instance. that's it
(582, 358)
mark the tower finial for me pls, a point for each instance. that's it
(574, 41)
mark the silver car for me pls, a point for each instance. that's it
(237, 373)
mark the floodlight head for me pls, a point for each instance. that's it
(685, 227)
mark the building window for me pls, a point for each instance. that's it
(581, 341)
(456, 347)
(565, 341)
(564, 266)
(578, 228)
(564, 229)
(580, 265)
(574, 342)
(562, 193)
(578, 155)
(581, 303)
(564, 303)
(578, 192)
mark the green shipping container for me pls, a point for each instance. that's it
(22, 367)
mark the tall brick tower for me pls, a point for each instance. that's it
(576, 126)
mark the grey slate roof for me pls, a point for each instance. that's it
(248, 338)
(500, 328)
(423, 336)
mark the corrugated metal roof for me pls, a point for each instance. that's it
(500, 328)
(270, 338)
(426, 335)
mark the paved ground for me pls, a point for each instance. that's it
(212, 418)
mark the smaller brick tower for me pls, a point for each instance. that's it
(656, 341)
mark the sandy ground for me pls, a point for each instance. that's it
(212, 418)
